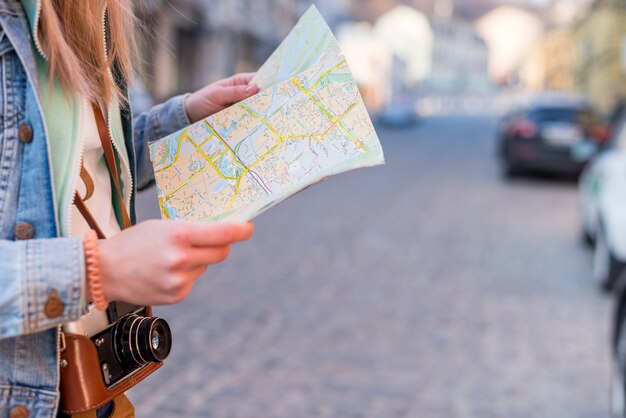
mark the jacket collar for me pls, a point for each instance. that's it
(30, 10)
(16, 27)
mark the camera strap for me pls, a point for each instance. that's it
(111, 162)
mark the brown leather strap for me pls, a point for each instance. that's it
(89, 185)
(84, 211)
(109, 156)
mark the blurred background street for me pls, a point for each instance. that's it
(452, 282)
(425, 288)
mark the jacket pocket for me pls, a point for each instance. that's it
(31, 402)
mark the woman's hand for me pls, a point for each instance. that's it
(157, 262)
(219, 95)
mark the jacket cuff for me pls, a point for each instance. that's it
(180, 119)
(184, 116)
(167, 118)
(55, 282)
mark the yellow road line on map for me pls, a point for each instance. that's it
(323, 134)
(196, 174)
(246, 169)
(206, 140)
(235, 193)
(280, 141)
(335, 122)
(258, 161)
(163, 211)
(180, 141)
(208, 125)
(256, 115)
(217, 170)
(262, 157)
(342, 63)
(330, 116)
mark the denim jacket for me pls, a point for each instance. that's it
(41, 273)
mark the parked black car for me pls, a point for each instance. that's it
(555, 133)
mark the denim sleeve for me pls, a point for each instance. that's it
(162, 120)
(34, 276)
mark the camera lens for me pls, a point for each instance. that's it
(140, 340)
(159, 339)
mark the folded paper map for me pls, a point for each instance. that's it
(307, 122)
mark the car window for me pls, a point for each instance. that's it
(557, 114)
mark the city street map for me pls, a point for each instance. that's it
(307, 122)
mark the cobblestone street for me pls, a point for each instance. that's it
(427, 288)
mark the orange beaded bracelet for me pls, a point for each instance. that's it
(92, 264)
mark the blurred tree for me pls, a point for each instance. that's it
(600, 54)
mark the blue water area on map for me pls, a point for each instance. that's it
(226, 132)
(208, 146)
(221, 131)
(220, 186)
(195, 166)
(173, 143)
(225, 166)
(172, 212)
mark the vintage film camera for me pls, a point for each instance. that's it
(105, 353)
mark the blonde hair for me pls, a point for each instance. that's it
(85, 59)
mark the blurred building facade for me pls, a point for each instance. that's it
(600, 54)
(468, 10)
(549, 64)
(369, 60)
(396, 53)
(565, 13)
(193, 42)
(409, 54)
(460, 58)
(510, 33)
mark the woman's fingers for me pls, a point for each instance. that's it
(227, 95)
(204, 256)
(199, 234)
(237, 79)
(164, 258)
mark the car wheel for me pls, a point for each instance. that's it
(606, 268)
(618, 383)
(508, 169)
(587, 237)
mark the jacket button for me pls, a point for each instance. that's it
(24, 230)
(54, 306)
(19, 412)
(25, 133)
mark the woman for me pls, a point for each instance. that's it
(61, 63)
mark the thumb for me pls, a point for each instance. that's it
(234, 94)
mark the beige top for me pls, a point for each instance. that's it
(100, 203)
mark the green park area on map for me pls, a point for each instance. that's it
(307, 122)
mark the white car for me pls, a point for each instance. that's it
(602, 194)
(603, 216)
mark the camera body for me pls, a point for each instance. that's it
(107, 352)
